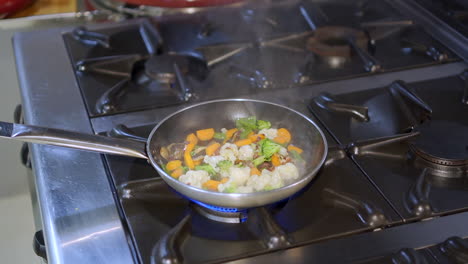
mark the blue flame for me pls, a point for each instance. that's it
(217, 208)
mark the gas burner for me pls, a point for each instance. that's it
(220, 214)
(442, 147)
(332, 41)
(161, 68)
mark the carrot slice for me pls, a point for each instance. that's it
(187, 157)
(283, 136)
(294, 148)
(177, 172)
(254, 171)
(192, 139)
(189, 161)
(243, 142)
(211, 149)
(205, 134)
(173, 164)
(224, 180)
(256, 137)
(211, 185)
(275, 160)
(197, 162)
(230, 133)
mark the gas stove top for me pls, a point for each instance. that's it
(390, 97)
(178, 59)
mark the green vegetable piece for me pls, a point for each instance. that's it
(268, 148)
(230, 189)
(206, 168)
(269, 188)
(262, 124)
(258, 161)
(247, 123)
(245, 133)
(224, 165)
(185, 168)
(296, 155)
(220, 136)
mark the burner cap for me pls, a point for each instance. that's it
(442, 142)
(331, 41)
(220, 214)
(180, 3)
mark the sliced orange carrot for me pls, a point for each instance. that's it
(243, 142)
(197, 162)
(187, 157)
(294, 148)
(256, 137)
(230, 133)
(283, 136)
(250, 134)
(211, 185)
(189, 147)
(188, 160)
(177, 172)
(205, 134)
(173, 164)
(224, 180)
(192, 139)
(254, 171)
(211, 149)
(275, 160)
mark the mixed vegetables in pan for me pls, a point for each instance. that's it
(251, 157)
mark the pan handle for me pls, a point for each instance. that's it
(63, 138)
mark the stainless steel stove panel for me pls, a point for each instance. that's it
(78, 210)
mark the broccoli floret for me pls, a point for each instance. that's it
(206, 168)
(262, 124)
(268, 148)
(220, 136)
(258, 161)
(224, 165)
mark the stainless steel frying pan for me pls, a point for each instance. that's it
(215, 114)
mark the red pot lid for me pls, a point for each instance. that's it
(10, 6)
(180, 3)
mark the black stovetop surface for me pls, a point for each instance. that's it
(453, 12)
(376, 187)
(110, 66)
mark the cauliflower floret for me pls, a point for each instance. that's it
(270, 133)
(223, 130)
(266, 181)
(246, 152)
(229, 152)
(239, 176)
(195, 178)
(213, 161)
(244, 189)
(287, 171)
(283, 151)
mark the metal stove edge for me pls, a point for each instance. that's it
(81, 215)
